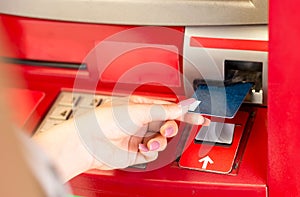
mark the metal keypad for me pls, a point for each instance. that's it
(69, 104)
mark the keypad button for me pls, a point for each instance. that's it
(90, 101)
(80, 111)
(69, 99)
(61, 113)
(49, 123)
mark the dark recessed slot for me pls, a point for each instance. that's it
(53, 64)
(244, 71)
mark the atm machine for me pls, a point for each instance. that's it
(75, 54)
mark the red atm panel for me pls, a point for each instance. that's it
(32, 39)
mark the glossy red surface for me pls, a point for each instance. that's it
(21, 113)
(284, 93)
(222, 157)
(219, 43)
(71, 42)
(76, 43)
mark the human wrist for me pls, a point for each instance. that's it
(63, 146)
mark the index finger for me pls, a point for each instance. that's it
(147, 100)
(145, 113)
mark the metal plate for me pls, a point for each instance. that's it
(216, 133)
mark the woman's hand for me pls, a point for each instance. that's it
(135, 129)
(120, 133)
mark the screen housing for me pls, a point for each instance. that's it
(144, 12)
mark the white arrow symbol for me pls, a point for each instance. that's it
(205, 161)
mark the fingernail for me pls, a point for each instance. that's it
(186, 102)
(169, 132)
(143, 148)
(154, 145)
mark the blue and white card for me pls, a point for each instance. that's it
(221, 101)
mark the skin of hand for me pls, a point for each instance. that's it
(118, 134)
